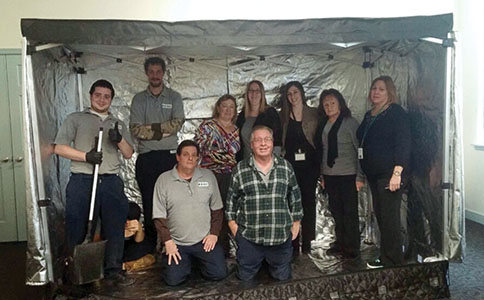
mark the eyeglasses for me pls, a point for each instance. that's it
(254, 91)
(259, 140)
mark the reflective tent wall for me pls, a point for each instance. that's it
(206, 59)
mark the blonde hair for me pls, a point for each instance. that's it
(263, 102)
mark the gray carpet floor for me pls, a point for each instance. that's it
(466, 279)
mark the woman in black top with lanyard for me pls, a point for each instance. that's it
(299, 123)
(384, 153)
(256, 112)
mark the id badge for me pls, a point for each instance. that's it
(202, 184)
(299, 156)
(360, 153)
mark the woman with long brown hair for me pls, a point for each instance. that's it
(299, 123)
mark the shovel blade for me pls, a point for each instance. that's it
(87, 262)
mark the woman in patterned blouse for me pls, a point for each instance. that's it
(219, 141)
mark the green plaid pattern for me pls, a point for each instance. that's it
(264, 213)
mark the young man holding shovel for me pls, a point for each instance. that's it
(76, 140)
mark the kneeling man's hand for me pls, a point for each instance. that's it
(233, 227)
(172, 252)
(295, 229)
(209, 242)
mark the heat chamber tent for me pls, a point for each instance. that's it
(206, 59)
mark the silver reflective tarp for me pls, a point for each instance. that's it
(207, 59)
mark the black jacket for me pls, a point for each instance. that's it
(387, 142)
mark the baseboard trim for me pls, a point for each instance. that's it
(474, 216)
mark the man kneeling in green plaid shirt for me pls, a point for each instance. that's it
(264, 209)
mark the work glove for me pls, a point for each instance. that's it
(94, 157)
(114, 134)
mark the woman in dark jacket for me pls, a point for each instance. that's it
(337, 148)
(256, 112)
(384, 152)
(299, 123)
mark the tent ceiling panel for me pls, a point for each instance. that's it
(232, 37)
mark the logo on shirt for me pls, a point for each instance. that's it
(203, 184)
(166, 105)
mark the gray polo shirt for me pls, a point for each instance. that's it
(148, 109)
(186, 205)
(79, 131)
(347, 161)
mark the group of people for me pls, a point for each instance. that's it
(249, 177)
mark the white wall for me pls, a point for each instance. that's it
(469, 26)
(466, 14)
(11, 11)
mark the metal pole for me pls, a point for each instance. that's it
(369, 215)
(79, 91)
(446, 185)
(32, 137)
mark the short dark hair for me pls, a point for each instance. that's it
(102, 83)
(187, 143)
(155, 60)
(134, 211)
(343, 108)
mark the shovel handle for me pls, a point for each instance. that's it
(96, 173)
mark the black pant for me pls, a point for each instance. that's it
(149, 167)
(134, 250)
(343, 204)
(386, 205)
(307, 177)
(223, 181)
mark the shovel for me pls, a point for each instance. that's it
(88, 257)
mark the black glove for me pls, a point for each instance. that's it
(157, 134)
(114, 134)
(94, 157)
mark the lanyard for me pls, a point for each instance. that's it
(368, 125)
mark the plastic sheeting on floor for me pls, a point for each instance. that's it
(312, 278)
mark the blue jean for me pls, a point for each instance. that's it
(111, 207)
(251, 255)
(212, 264)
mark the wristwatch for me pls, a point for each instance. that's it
(397, 173)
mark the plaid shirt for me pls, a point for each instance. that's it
(264, 213)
